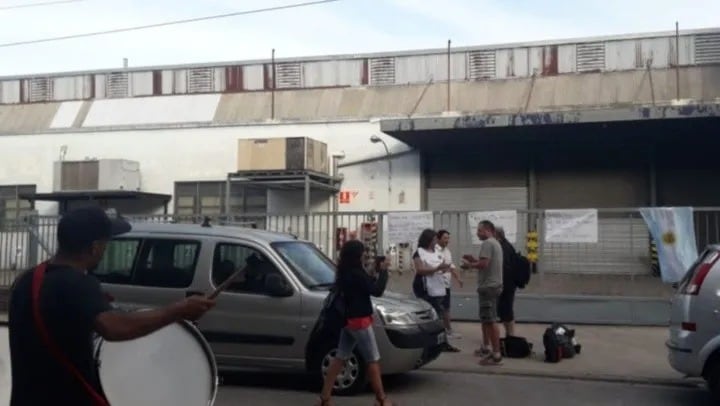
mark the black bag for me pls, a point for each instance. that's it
(418, 286)
(332, 316)
(553, 348)
(515, 347)
(522, 271)
(560, 342)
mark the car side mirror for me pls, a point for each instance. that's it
(276, 286)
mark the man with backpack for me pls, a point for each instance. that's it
(512, 275)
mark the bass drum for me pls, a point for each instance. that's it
(173, 366)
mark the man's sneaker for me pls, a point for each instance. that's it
(483, 352)
(491, 361)
(450, 348)
(453, 335)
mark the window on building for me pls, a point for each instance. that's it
(208, 198)
(254, 264)
(12, 207)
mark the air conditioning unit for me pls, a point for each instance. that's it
(96, 174)
(282, 154)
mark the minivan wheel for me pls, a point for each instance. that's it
(352, 379)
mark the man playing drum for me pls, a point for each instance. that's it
(72, 307)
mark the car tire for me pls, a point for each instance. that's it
(351, 380)
(712, 378)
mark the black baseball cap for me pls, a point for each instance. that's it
(81, 227)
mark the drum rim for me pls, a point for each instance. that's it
(195, 332)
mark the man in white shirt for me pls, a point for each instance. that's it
(443, 238)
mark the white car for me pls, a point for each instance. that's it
(694, 343)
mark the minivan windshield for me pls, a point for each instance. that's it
(311, 266)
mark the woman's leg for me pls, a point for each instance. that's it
(345, 348)
(369, 351)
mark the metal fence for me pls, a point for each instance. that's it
(619, 264)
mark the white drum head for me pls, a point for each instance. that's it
(172, 366)
(5, 376)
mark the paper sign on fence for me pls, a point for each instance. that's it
(571, 226)
(507, 219)
(673, 230)
(405, 227)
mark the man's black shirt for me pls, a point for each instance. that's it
(70, 301)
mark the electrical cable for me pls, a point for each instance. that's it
(46, 3)
(165, 24)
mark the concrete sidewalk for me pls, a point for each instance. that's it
(609, 353)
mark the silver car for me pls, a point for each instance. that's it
(694, 343)
(266, 318)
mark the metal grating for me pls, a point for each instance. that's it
(707, 48)
(590, 57)
(289, 75)
(41, 89)
(116, 85)
(482, 64)
(200, 80)
(382, 71)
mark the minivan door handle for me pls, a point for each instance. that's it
(194, 293)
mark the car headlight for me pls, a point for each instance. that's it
(395, 317)
(433, 314)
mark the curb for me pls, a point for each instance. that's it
(679, 382)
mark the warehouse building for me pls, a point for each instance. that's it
(609, 122)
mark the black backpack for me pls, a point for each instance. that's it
(515, 347)
(560, 342)
(522, 270)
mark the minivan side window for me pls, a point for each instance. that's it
(255, 266)
(117, 264)
(166, 263)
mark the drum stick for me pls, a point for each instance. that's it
(225, 284)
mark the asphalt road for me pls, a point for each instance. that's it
(457, 389)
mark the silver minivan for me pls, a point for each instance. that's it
(265, 318)
(694, 343)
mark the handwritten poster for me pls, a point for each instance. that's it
(673, 230)
(507, 219)
(571, 226)
(405, 227)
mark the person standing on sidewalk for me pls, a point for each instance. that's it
(506, 301)
(443, 239)
(489, 266)
(72, 306)
(429, 283)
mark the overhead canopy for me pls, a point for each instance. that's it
(66, 197)
(422, 132)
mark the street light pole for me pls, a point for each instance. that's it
(375, 139)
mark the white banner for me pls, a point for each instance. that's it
(571, 226)
(405, 227)
(507, 219)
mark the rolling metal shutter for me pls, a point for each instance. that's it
(456, 202)
(623, 239)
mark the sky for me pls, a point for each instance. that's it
(342, 27)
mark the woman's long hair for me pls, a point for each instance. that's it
(426, 239)
(351, 257)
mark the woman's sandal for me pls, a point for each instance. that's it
(383, 402)
(324, 402)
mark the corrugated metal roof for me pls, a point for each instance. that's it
(543, 94)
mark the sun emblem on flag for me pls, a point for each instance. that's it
(669, 238)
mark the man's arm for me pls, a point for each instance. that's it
(87, 301)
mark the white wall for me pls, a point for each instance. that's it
(196, 154)
(368, 185)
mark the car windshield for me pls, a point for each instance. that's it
(311, 266)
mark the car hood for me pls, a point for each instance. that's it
(388, 299)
